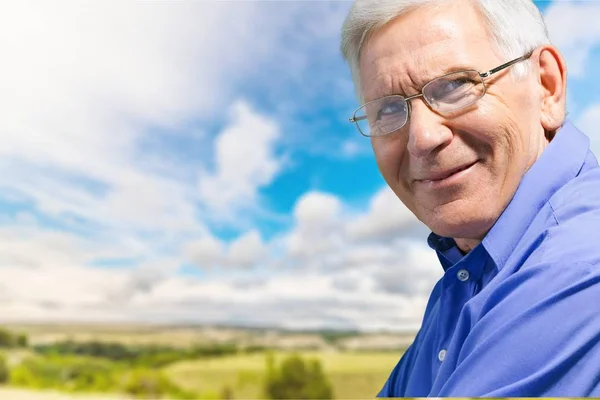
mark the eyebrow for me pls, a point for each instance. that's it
(422, 82)
(457, 68)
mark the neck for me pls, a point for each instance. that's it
(466, 245)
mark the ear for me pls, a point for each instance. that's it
(553, 85)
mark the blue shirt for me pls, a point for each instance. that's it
(519, 315)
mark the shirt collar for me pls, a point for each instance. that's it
(560, 162)
(447, 251)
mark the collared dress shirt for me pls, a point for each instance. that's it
(519, 315)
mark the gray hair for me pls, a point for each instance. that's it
(514, 26)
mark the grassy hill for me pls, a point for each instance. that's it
(353, 375)
(356, 364)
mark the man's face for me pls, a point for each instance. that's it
(491, 143)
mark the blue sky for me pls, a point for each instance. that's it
(192, 162)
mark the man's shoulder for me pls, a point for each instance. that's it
(560, 248)
(573, 235)
(579, 198)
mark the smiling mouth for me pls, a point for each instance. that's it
(445, 175)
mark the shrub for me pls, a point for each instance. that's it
(9, 339)
(137, 356)
(4, 374)
(296, 379)
(22, 376)
(64, 373)
(146, 384)
(6, 338)
(150, 384)
(22, 340)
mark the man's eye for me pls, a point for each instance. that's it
(455, 84)
(391, 108)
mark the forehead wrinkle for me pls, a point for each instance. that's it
(388, 79)
(407, 77)
(386, 54)
(403, 83)
(379, 78)
(388, 85)
(396, 70)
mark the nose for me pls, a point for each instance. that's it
(426, 131)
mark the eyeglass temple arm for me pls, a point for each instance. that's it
(506, 65)
(356, 119)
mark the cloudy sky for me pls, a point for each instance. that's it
(191, 162)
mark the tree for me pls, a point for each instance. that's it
(4, 373)
(318, 387)
(22, 340)
(297, 379)
(146, 383)
(152, 384)
(6, 338)
(9, 339)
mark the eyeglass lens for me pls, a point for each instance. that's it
(445, 94)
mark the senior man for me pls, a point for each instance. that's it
(464, 103)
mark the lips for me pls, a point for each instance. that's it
(439, 176)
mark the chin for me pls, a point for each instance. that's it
(457, 224)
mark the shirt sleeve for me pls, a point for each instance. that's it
(402, 368)
(538, 335)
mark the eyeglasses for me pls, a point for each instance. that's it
(445, 94)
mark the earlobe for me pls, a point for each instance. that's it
(553, 81)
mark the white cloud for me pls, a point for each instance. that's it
(318, 226)
(315, 210)
(574, 29)
(387, 217)
(25, 244)
(244, 161)
(205, 252)
(80, 100)
(295, 300)
(46, 274)
(83, 86)
(247, 250)
(141, 68)
(84, 90)
(366, 285)
(329, 235)
(412, 271)
(371, 255)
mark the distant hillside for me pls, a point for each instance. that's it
(187, 335)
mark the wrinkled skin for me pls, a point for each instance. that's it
(502, 134)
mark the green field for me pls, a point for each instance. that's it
(353, 375)
(357, 365)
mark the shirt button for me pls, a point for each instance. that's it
(463, 275)
(442, 354)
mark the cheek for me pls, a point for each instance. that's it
(392, 161)
(508, 116)
(389, 153)
(498, 142)
(493, 132)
